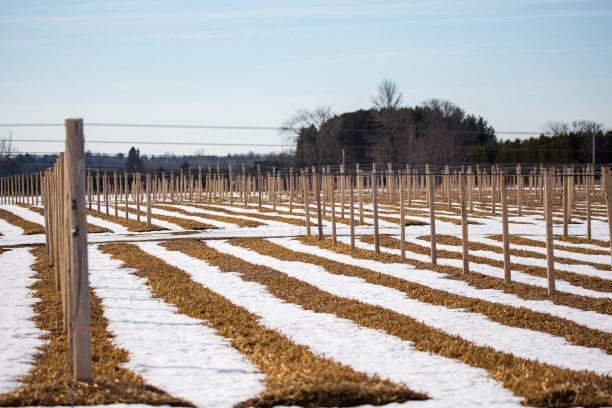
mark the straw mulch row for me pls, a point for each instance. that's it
(539, 384)
(49, 381)
(294, 375)
(588, 282)
(29, 227)
(233, 220)
(294, 221)
(185, 223)
(507, 315)
(91, 228)
(582, 240)
(519, 240)
(131, 225)
(477, 280)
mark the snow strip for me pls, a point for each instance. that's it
(603, 259)
(24, 213)
(170, 350)
(488, 270)
(113, 226)
(474, 327)
(371, 351)
(9, 230)
(20, 336)
(143, 218)
(436, 280)
(587, 270)
(199, 210)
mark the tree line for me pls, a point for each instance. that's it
(436, 132)
(581, 142)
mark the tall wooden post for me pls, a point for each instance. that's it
(352, 212)
(306, 202)
(402, 219)
(519, 190)
(116, 185)
(148, 200)
(588, 203)
(464, 224)
(317, 178)
(607, 185)
(548, 214)
(432, 217)
(290, 190)
(375, 205)
(506, 237)
(332, 199)
(75, 175)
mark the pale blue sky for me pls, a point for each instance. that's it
(518, 63)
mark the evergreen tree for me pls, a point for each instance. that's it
(133, 161)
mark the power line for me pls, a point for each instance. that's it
(153, 143)
(228, 127)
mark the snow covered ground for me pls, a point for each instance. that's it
(201, 366)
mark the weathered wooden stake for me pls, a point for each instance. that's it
(375, 204)
(548, 214)
(506, 237)
(464, 225)
(432, 217)
(607, 185)
(80, 328)
(402, 219)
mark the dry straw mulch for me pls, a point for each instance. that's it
(519, 240)
(295, 376)
(91, 228)
(581, 240)
(233, 220)
(185, 223)
(540, 384)
(262, 214)
(507, 315)
(48, 383)
(130, 224)
(586, 281)
(29, 227)
(474, 279)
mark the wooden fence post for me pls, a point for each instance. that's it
(352, 204)
(402, 219)
(306, 202)
(548, 214)
(317, 178)
(75, 176)
(333, 206)
(464, 224)
(432, 217)
(506, 237)
(148, 199)
(607, 185)
(375, 205)
(587, 193)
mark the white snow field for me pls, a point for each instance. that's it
(190, 360)
(170, 350)
(20, 336)
(445, 380)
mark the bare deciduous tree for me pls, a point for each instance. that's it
(554, 128)
(313, 131)
(8, 159)
(388, 96)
